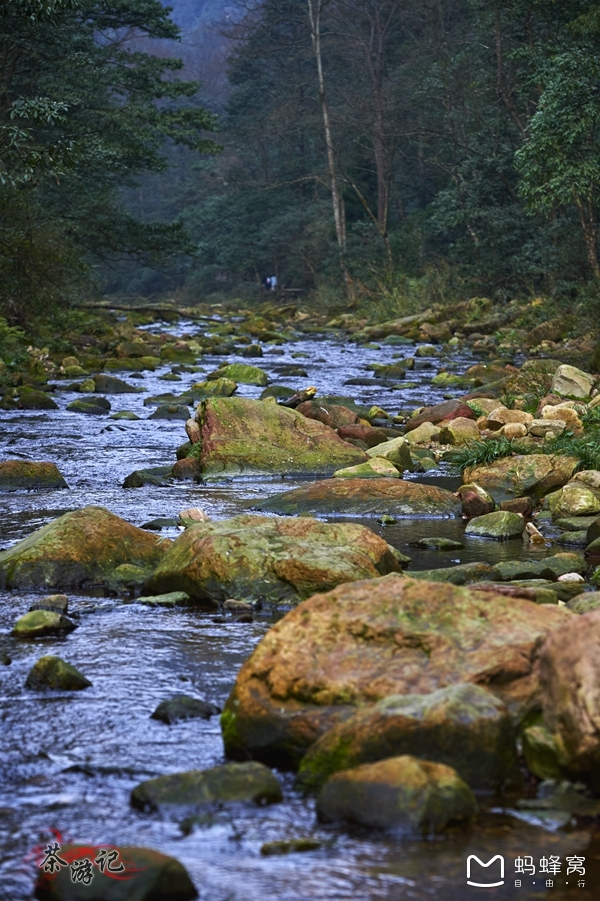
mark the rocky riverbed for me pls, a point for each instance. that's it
(386, 585)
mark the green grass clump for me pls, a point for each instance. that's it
(479, 453)
(586, 448)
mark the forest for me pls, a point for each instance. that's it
(358, 150)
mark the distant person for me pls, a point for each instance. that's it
(273, 281)
(266, 282)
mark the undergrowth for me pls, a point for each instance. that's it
(586, 448)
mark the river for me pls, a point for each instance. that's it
(69, 762)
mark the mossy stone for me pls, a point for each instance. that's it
(55, 673)
(230, 783)
(242, 373)
(37, 623)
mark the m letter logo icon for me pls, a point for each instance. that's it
(472, 857)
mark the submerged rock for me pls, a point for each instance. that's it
(399, 793)
(55, 673)
(230, 783)
(464, 726)
(150, 876)
(96, 407)
(268, 558)
(173, 412)
(366, 641)
(533, 475)
(184, 707)
(373, 498)
(110, 384)
(23, 474)
(79, 549)
(239, 435)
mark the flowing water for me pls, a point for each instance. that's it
(68, 762)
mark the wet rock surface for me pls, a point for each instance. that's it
(277, 560)
(61, 748)
(368, 640)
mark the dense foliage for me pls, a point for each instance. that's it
(465, 142)
(375, 148)
(83, 111)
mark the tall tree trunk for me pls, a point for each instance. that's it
(587, 218)
(315, 8)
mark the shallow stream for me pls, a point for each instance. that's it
(69, 762)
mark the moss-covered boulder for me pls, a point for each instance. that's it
(585, 602)
(242, 436)
(55, 673)
(79, 549)
(148, 876)
(500, 525)
(269, 558)
(242, 373)
(23, 474)
(532, 475)
(38, 623)
(217, 388)
(368, 640)
(96, 407)
(464, 726)
(365, 497)
(458, 432)
(30, 399)
(234, 782)
(574, 499)
(109, 384)
(172, 412)
(400, 793)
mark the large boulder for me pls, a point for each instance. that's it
(531, 475)
(401, 793)
(238, 435)
(368, 640)
(570, 673)
(79, 549)
(464, 726)
(233, 782)
(23, 474)
(365, 497)
(270, 558)
(147, 876)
